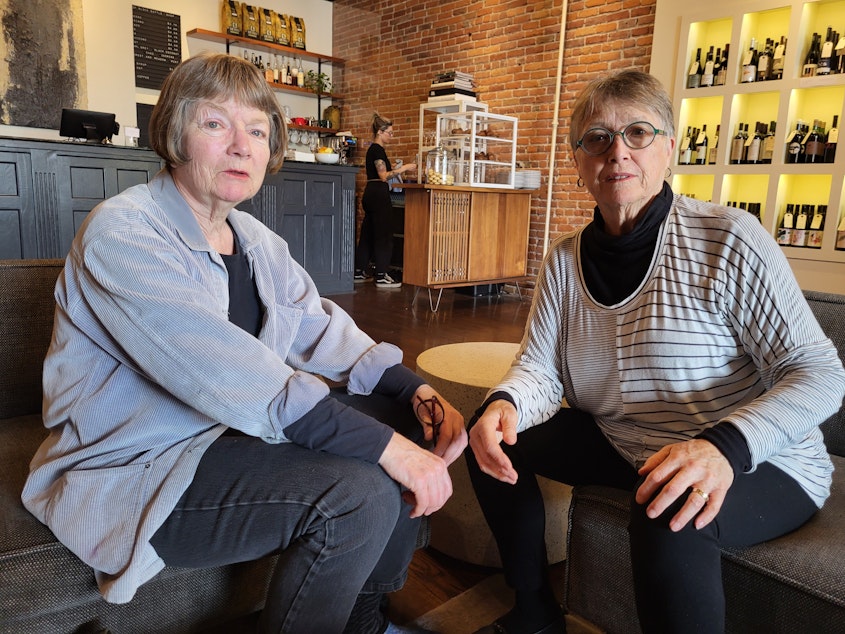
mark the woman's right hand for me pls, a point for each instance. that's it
(407, 167)
(496, 425)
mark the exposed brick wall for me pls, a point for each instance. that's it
(394, 48)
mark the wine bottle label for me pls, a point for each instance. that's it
(814, 148)
(810, 70)
(749, 73)
(798, 238)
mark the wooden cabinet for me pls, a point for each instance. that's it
(462, 236)
(47, 189)
(785, 101)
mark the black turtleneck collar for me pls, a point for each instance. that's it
(614, 266)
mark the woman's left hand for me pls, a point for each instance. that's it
(451, 437)
(674, 470)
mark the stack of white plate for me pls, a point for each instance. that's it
(526, 179)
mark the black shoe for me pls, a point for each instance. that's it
(558, 626)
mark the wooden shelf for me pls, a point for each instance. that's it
(225, 38)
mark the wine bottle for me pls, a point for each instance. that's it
(684, 150)
(840, 234)
(823, 67)
(764, 62)
(778, 59)
(714, 147)
(767, 149)
(811, 61)
(747, 140)
(694, 76)
(702, 146)
(814, 144)
(793, 146)
(799, 233)
(831, 141)
(787, 224)
(749, 63)
(752, 152)
(707, 74)
(815, 233)
(717, 66)
(737, 146)
(840, 54)
(722, 75)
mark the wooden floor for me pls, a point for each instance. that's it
(391, 315)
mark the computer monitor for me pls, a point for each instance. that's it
(93, 127)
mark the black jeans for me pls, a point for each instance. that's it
(677, 576)
(338, 524)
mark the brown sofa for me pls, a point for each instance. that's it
(792, 584)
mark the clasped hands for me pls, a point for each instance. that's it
(670, 473)
(424, 474)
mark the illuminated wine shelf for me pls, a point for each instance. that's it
(782, 100)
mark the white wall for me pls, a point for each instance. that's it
(109, 54)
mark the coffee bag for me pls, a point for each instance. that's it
(251, 21)
(297, 32)
(232, 18)
(267, 25)
(282, 29)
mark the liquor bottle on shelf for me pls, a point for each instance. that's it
(787, 224)
(695, 71)
(702, 146)
(722, 74)
(754, 210)
(814, 144)
(799, 233)
(737, 146)
(707, 73)
(815, 233)
(778, 58)
(300, 76)
(268, 71)
(749, 63)
(764, 62)
(811, 61)
(840, 54)
(767, 148)
(793, 146)
(714, 148)
(831, 141)
(823, 67)
(752, 146)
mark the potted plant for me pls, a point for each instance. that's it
(320, 83)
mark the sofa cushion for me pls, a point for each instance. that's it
(790, 584)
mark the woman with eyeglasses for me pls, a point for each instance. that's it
(376, 240)
(694, 372)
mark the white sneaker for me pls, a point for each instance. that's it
(385, 281)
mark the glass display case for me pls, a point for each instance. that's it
(482, 146)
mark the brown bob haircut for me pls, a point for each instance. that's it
(210, 78)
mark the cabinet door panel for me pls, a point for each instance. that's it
(17, 220)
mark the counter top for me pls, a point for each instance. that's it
(463, 188)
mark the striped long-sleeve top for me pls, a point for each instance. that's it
(718, 331)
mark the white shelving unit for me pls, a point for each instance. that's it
(484, 146)
(428, 122)
(784, 101)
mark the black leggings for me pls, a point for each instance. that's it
(570, 448)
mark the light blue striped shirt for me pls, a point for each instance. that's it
(145, 371)
(718, 330)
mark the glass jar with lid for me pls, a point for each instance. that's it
(438, 167)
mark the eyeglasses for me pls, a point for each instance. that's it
(637, 135)
(432, 414)
(387, 132)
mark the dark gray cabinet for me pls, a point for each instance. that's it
(313, 208)
(47, 188)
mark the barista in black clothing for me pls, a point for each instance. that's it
(376, 240)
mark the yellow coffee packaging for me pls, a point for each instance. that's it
(267, 25)
(282, 30)
(251, 20)
(297, 32)
(231, 17)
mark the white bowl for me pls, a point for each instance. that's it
(326, 157)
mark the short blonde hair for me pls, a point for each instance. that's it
(627, 87)
(212, 77)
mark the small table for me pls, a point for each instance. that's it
(463, 373)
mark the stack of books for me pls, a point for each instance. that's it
(451, 86)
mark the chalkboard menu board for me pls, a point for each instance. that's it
(158, 45)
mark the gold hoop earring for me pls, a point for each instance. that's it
(579, 182)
